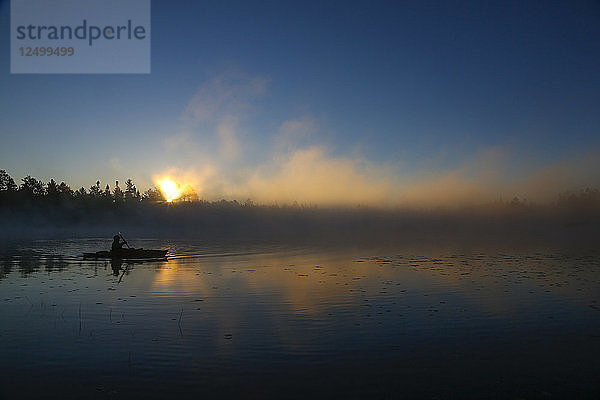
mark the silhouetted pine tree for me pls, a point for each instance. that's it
(95, 190)
(7, 184)
(131, 193)
(32, 188)
(153, 195)
(117, 194)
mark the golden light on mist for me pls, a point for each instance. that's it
(170, 189)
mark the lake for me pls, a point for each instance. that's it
(256, 320)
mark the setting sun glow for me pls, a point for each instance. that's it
(170, 189)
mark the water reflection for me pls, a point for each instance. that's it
(30, 262)
(116, 266)
(209, 311)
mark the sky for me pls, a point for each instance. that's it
(380, 103)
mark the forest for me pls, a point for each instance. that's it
(35, 208)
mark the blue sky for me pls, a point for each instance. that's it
(394, 92)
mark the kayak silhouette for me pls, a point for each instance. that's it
(129, 253)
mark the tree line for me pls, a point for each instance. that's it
(32, 192)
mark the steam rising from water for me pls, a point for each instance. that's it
(294, 166)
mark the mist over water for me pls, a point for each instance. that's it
(302, 159)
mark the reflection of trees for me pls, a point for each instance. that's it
(28, 263)
(54, 263)
(6, 265)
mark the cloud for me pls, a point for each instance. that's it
(294, 133)
(229, 93)
(497, 173)
(229, 145)
(178, 141)
(296, 167)
(569, 174)
(311, 176)
(115, 163)
(210, 121)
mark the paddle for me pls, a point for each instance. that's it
(124, 241)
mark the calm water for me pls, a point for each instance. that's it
(255, 321)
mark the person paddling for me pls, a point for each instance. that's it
(117, 244)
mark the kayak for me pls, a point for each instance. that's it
(127, 254)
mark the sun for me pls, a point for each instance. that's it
(170, 189)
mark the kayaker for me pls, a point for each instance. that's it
(117, 244)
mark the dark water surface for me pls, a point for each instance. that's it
(256, 321)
